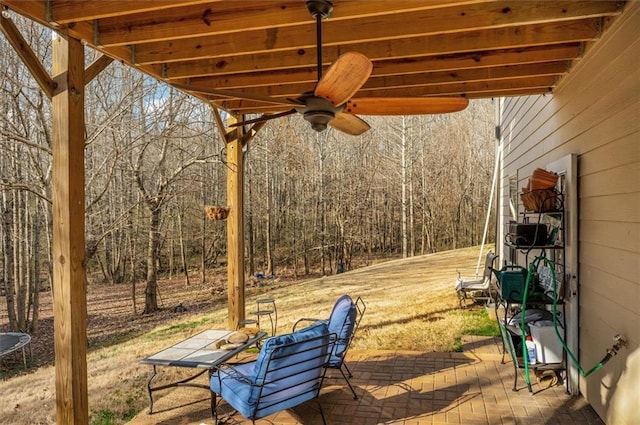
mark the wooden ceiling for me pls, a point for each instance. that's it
(475, 48)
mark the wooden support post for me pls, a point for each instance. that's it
(235, 228)
(69, 275)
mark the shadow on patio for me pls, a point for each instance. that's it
(406, 387)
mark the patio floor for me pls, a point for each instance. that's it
(408, 388)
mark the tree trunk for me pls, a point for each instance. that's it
(18, 256)
(134, 276)
(203, 241)
(250, 231)
(412, 219)
(151, 290)
(404, 188)
(305, 245)
(172, 257)
(183, 253)
(8, 276)
(323, 209)
(269, 237)
(35, 288)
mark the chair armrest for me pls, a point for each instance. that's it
(470, 272)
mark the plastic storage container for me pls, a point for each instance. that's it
(548, 346)
(511, 280)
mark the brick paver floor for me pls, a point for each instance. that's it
(408, 388)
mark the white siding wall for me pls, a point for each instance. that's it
(595, 113)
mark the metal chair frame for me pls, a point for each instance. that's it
(360, 307)
(468, 288)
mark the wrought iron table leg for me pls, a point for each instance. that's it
(183, 382)
(149, 379)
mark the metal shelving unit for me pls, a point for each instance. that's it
(543, 290)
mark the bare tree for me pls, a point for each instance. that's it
(316, 200)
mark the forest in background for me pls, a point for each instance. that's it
(314, 202)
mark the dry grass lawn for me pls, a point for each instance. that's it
(411, 305)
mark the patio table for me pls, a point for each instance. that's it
(13, 341)
(198, 352)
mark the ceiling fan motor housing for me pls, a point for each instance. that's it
(318, 111)
(319, 119)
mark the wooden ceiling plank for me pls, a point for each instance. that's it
(399, 66)
(456, 77)
(427, 79)
(472, 91)
(445, 44)
(244, 108)
(477, 47)
(469, 90)
(78, 30)
(488, 58)
(463, 88)
(397, 26)
(84, 31)
(235, 16)
(248, 80)
(35, 10)
(67, 11)
(243, 104)
(189, 22)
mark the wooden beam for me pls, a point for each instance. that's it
(82, 30)
(227, 136)
(415, 24)
(235, 227)
(542, 83)
(509, 38)
(465, 75)
(187, 22)
(96, 67)
(252, 132)
(67, 11)
(27, 55)
(418, 80)
(69, 275)
(479, 59)
(267, 17)
(454, 63)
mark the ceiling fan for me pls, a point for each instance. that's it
(331, 102)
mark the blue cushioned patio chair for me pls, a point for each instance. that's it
(343, 322)
(288, 371)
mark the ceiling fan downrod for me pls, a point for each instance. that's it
(319, 9)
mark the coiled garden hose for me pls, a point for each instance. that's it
(533, 266)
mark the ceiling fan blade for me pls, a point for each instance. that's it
(349, 124)
(234, 94)
(405, 105)
(265, 117)
(344, 78)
